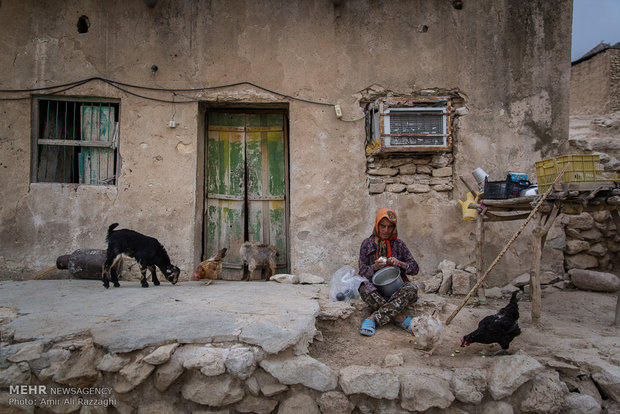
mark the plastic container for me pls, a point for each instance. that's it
(499, 190)
(388, 281)
(582, 168)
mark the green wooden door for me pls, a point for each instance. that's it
(245, 186)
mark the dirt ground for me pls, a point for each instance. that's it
(573, 322)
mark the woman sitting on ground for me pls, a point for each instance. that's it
(383, 248)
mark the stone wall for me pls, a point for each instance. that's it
(595, 84)
(238, 378)
(614, 80)
(410, 174)
(592, 242)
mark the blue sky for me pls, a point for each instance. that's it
(594, 21)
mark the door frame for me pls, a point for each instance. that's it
(203, 160)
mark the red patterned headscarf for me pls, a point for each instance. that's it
(383, 246)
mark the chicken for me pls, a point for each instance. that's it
(500, 328)
(428, 331)
(211, 267)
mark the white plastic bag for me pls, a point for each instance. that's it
(344, 285)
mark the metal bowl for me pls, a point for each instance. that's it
(388, 280)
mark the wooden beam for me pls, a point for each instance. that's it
(503, 251)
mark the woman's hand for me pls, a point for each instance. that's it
(392, 261)
(380, 263)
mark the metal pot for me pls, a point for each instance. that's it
(529, 191)
(388, 281)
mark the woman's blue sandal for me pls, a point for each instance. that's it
(368, 327)
(406, 324)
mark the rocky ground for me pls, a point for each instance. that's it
(573, 323)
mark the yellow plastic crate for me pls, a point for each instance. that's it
(582, 168)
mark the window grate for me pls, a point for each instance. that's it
(77, 141)
(409, 124)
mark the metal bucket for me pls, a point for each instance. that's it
(388, 280)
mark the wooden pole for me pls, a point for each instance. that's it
(540, 236)
(480, 225)
(469, 187)
(514, 237)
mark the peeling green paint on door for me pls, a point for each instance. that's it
(245, 184)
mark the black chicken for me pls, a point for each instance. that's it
(502, 327)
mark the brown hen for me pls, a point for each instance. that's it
(210, 268)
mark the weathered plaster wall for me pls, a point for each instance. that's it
(512, 67)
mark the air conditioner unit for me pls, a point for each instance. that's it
(409, 124)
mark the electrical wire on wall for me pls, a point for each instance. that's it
(125, 88)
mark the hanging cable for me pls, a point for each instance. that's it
(123, 87)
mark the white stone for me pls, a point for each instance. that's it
(167, 373)
(301, 369)
(240, 362)
(510, 372)
(468, 385)
(462, 282)
(546, 395)
(442, 172)
(607, 378)
(310, 279)
(418, 188)
(161, 354)
(493, 292)
(112, 363)
(212, 391)
(80, 371)
(521, 280)
(132, 375)
(285, 278)
(371, 380)
(497, 407)
(423, 392)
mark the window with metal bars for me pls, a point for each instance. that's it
(409, 124)
(76, 140)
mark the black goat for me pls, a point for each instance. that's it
(147, 251)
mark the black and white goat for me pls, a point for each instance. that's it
(147, 251)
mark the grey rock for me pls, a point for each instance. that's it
(299, 403)
(371, 380)
(334, 402)
(132, 375)
(575, 403)
(468, 385)
(112, 363)
(213, 391)
(301, 370)
(18, 373)
(423, 392)
(546, 395)
(510, 372)
(251, 404)
(28, 352)
(594, 281)
(161, 354)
